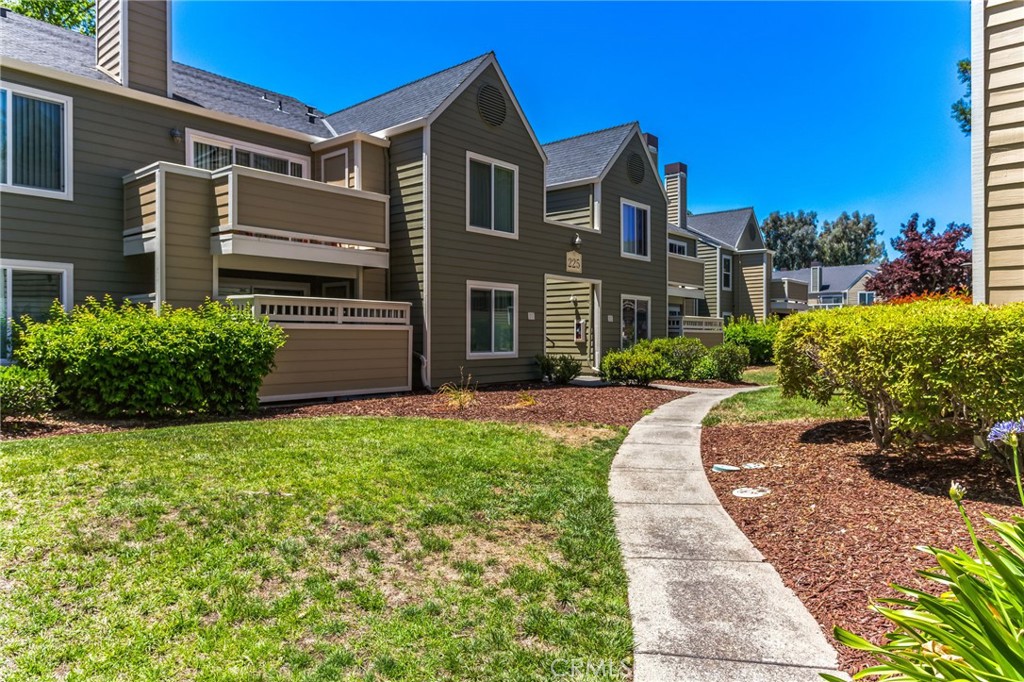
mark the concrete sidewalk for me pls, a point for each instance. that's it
(706, 607)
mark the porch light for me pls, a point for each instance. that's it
(176, 135)
(577, 242)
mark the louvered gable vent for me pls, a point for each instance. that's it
(490, 103)
(635, 168)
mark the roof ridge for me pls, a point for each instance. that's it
(728, 210)
(593, 132)
(413, 82)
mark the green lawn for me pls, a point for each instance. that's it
(763, 376)
(768, 405)
(319, 549)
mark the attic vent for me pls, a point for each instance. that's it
(635, 168)
(490, 103)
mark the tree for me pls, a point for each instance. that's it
(930, 262)
(962, 107)
(850, 240)
(77, 15)
(793, 237)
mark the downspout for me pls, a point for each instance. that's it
(424, 379)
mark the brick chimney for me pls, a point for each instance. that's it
(675, 187)
(133, 43)
(652, 146)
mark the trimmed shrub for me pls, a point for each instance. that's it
(637, 366)
(681, 356)
(559, 369)
(126, 360)
(758, 337)
(924, 369)
(729, 359)
(25, 392)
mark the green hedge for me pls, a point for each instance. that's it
(638, 366)
(25, 392)
(680, 358)
(126, 360)
(927, 369)
(757, 337)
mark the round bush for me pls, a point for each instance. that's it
(757, 337)
(681, 356)
(637, 366)
(25, 392)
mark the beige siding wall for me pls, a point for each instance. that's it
(728, 296)
(672, 189)
(748, 289)
(682, 271)
(709, 339)
(188, 215)
(375, 284)
(108, 37)
(406, 275)
(574, 205)
(88, 230)
(561, 313)
(324, 361)
(375, 168)
(147, 46)
(858, 286)
(751, 238)
(1002, 134)
(334, 168)
(709, 255)
(140, 202)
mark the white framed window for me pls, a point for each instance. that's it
(334, 168)
(491, 327)
(492, 196)
(30, 288)
(865, 297)
(636, 319)
(636, 230)
(727, 272)
(211, 152)
(678, 248)
(35, 142)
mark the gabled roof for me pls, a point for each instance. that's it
(409, 102)
(723, 226)
(834, 278)
(40, 43)
(585, 157)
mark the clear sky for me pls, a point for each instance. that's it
(822, 106)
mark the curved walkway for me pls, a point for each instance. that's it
(706, 607)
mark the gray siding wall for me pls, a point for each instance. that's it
(561, 314)
(709, 255)
(751, 238)
(375, 176)
(574, 205)
(188, 215)
(112, 136)
(147, 46)
(405, 175)
(108, 37)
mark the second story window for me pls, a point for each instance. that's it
(727, 273)
(492, 190)
(677, 248)
(35, 142)
(636, 230)
(211, 152)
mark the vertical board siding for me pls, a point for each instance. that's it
(560, 316)
(108, 37)
(405, 178)
(574, 205)
(147, 56)
(189, 213)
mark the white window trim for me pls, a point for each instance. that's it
(193, 136)
(67, 281)
(684, 244)
(732, 271)
(861, 295)
(514, 288)
(650, 310)
(472, 156)
(622, 231)
(67, 194)
(348, 168)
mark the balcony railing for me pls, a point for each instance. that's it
(695, 323)
(342, 311)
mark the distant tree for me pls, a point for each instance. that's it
(962, 107)
(850, 240)
(77, 15)
(929, 262)
(793, 238)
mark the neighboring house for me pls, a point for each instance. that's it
(997, 149)
(832, 286)
(416, 223)
(604, 193)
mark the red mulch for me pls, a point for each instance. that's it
(612, 405)
(842, 520)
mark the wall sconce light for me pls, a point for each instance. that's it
(577, 242)
(176, 135)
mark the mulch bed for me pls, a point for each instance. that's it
(534, 403)
(842, 519)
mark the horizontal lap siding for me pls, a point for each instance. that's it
(748, 289)
(375, 284)
(108, 37)
(1004, 153)
(709, 339)
(375, 176)
(188, 216)
(405, 169)
(140, 202)
(344, 179)
(685, 272)
(561, 314)
(574, 205)
(339, 361)
(709, 255)
(112, 136)
(147, 46)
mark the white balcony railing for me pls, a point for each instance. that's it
(305, 309)
(695, 323)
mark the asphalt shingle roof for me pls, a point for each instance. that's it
(725, 226)
(40, 43)
(406, 103)
(834, 278)
(584, 157)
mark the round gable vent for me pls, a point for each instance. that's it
(635, 168)
(490, 103)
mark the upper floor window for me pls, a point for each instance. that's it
(212, 152)
(865, 297)
(727, 272)
(35, 142)
(491, 319)
(678, 248)
(492, 191)
(636, 230)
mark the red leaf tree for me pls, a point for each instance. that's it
(930, 261)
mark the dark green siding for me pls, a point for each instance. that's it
(405, 178)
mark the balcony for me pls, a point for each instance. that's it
(695, 323)
(788, 295)
(686, 271)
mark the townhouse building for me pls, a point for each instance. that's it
(833, 286)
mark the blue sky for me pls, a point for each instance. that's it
(824, 106)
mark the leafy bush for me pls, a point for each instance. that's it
(560, 369)
(931, 368)
(730, 359)
(681, 356)
(758, 337)
(639, 366)
(25, 392)
(112, 360)
(953, 294)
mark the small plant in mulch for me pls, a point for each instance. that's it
(525, 399)
(462, 394)
(971, 630)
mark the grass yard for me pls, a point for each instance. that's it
(321, 549)
(762, 376)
